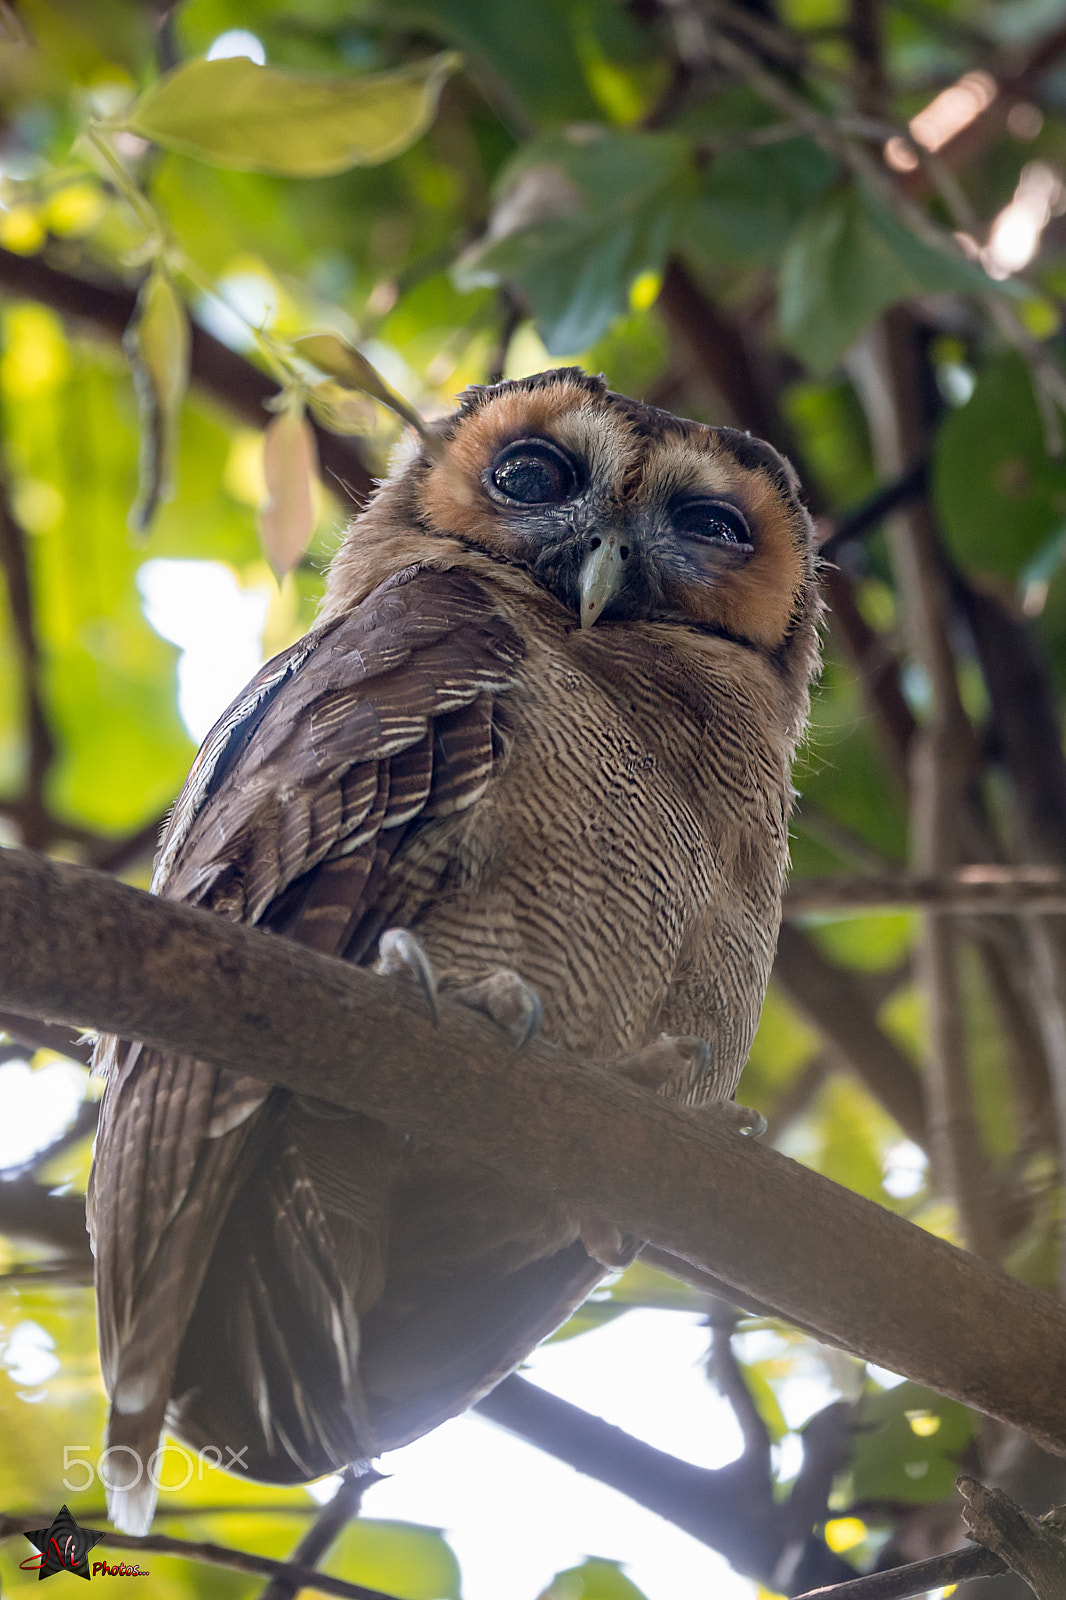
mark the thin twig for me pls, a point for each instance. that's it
(511, 313)
(115, 855)
(220, 1555)
(938, 1572)
(971, 891)
(324, 1531)
(910, 485)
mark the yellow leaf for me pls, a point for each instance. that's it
(644, 290)
(235, 113)
(157, 345)
(290, 464)
(21, 230)
(844, 1533)
(923, 1423)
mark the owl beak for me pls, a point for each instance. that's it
(601, 576)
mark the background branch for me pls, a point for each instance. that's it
(219, 1555)
(216, 370)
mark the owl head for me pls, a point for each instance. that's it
(622, 513)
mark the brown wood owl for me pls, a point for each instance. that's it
(536, 750)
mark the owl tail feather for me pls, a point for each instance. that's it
(129, 1466)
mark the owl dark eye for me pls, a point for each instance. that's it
(713, 522)
(534, 472)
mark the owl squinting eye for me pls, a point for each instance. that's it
(712, 522)
(533, 472)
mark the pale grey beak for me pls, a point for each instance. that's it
(600, 577)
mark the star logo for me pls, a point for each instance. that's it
(64, 1547)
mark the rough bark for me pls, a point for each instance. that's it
(78, 946)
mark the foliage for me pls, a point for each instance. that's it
(404, 200)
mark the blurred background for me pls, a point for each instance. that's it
(840, 224)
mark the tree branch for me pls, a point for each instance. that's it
(324, 1531)
(28, 1211)
(31, 809)
(832, 1001)
(76, 943)
(715, 1505)
(980, 889)
(220, 1555)
(38, 1035)
(991, 1514)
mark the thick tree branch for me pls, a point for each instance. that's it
(38, 1035)
(731, 1509)
(31, 809)
(75, 943)
(218, 371)
(720, 352)
(28, 1211)
(722, 355)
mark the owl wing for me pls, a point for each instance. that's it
(381, 721)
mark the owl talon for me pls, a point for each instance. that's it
(603, 1241)
(674, 1061)
(744, 1120)
(509, 1001)
(400, 951)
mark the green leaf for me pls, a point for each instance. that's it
(999, 495)
(411, 1562)
(849, 260)
(907, 1445)
(235, 113)
(595, 1579)
(341, 360)
(157, 344)
(750, 200)
(529, 48)
(579, 218)
(758, 1385)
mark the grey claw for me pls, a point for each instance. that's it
(534, 1018)
(509, 1001)
(744, 1120)
(400, 951)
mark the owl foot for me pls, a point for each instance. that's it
(604, 1242)
(508, 1000)
(676, 1062)
(742, 1119)
(400, 951)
